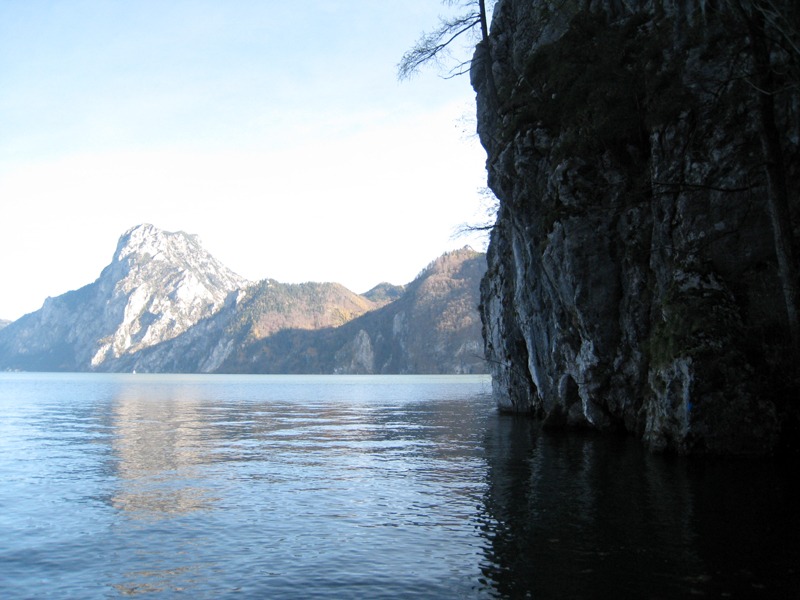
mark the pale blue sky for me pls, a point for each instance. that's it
(274, 130)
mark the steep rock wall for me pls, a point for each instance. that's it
(632, 278)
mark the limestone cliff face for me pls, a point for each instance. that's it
(632, 275)
(158, 285)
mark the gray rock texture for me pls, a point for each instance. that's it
(632, 278)
(158, 285)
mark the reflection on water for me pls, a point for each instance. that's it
(584, 516)
(162, 440)
(158, 444)
(353, 483)
(362, 487)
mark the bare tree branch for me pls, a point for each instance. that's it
(432, 44)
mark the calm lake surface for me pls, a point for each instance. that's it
(362, 487)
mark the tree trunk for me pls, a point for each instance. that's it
(484, 21)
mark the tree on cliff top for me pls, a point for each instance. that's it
(433, 45)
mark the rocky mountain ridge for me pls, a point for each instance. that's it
(433, 327)
(164, 304)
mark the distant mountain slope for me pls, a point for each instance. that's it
(255, 313)
(165, 305)
(157, 286)
(432, 328)
(271, 306)
(383, 293)
(4, 323)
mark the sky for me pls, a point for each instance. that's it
(276, 131)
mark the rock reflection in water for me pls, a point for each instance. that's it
(159, 444)
(587, 516)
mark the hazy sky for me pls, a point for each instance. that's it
(276, 131)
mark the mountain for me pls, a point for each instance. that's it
(433, 327)
(257, 312)
(4, 323)
(158, 285)
(383, 293)
(165, 305)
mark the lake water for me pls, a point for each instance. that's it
(362, 487)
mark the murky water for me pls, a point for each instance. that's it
(361, 487)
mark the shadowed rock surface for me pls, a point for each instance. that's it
(632, 279)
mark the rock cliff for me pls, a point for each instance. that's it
(633, 283)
